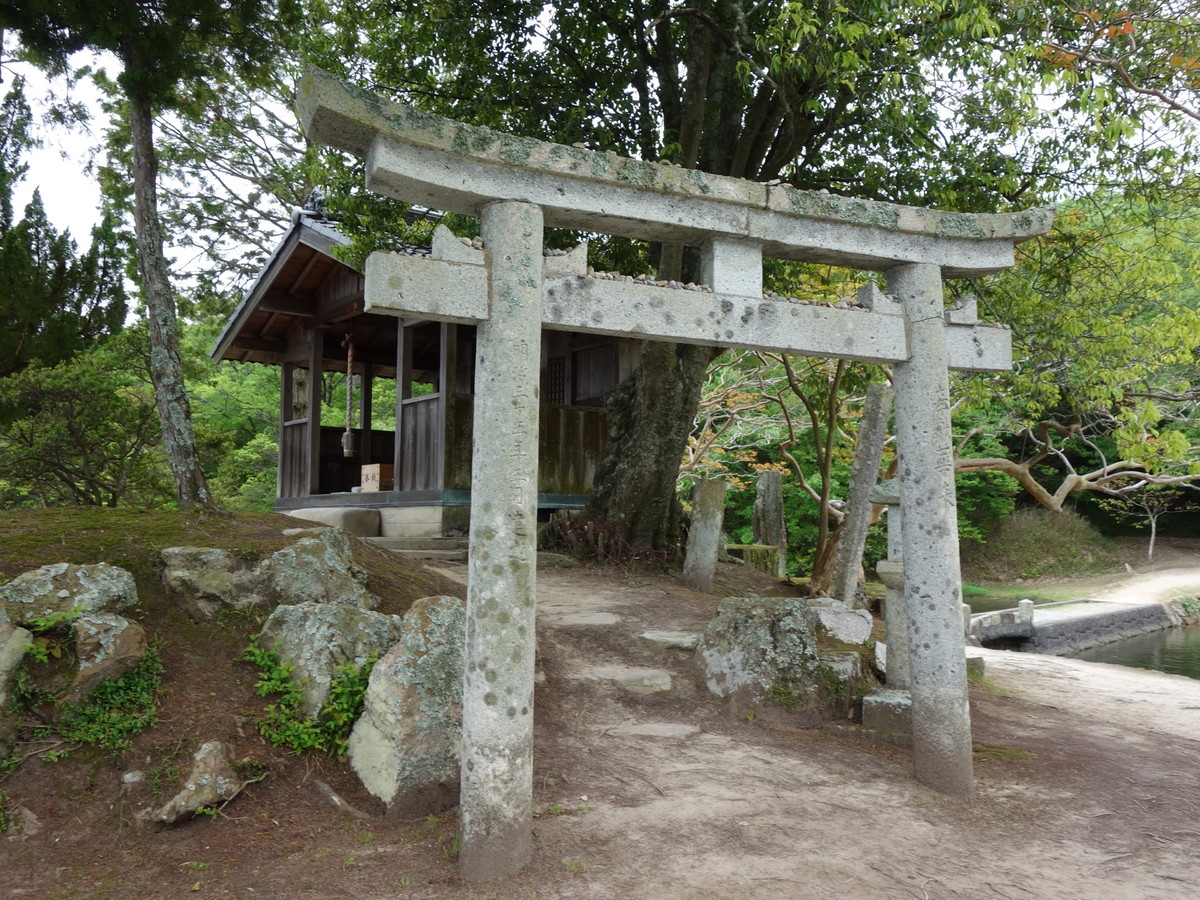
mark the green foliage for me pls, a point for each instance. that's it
(983, 498)
(54, 301)
(1133, 56)
(235, 410)
(1116, 279)
(285, 723)
(84, 431)
(161, 43)
(110, 715)
(1036, 543)
(117, 709)
(1191, 606)
(45, 645)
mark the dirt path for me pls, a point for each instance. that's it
(742, 809)
(1088, 787)
(1160, 584)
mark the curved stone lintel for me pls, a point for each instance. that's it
(427, 159)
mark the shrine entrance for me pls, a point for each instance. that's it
(511, 291)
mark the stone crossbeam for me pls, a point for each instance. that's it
(456, 291)
(426, 159)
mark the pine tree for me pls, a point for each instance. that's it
(161, 44)
(54, 302)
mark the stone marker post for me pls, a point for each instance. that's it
(704, 536)
(497, 729)
(768, 522)
(852, 536)
(941, 722)
(891, 573)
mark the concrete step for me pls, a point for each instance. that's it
(672, 640)
(636, 679)
(442, 556)
(668, 730)
(584, 620)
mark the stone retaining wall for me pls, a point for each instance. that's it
(1071, 635)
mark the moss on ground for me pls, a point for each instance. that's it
(133, 539)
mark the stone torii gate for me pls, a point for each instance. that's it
(517, 187)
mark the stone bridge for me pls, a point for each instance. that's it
(1003, 626)
(1070, 626)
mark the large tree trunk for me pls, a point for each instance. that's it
(166, 364)
(649, 419)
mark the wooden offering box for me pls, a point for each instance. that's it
(377, 477)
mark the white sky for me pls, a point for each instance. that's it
(60, 167)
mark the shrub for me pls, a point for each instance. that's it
(285, 724)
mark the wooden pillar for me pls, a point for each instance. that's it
(366, 453)
(447, 367)
(287, 403)
(312, 452)
(403, 390)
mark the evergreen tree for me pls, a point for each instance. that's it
(161, 44)
(53, 301)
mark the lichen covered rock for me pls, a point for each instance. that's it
(315, 638)
(840, 622)
(13, 641)
(65, 590)
(204, 580)
(317, 568)
(405, 746)
(210, 785)
(106, 646)
(762, 653)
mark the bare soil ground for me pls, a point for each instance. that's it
(1088, 787)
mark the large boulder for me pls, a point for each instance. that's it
(762, 654)
(405, 746)
(204, 580)
(317, 568)
(64, 591)
(315, 638)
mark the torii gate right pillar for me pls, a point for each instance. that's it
(941, 723)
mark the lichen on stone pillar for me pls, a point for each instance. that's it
(496, 790)
(932, 583)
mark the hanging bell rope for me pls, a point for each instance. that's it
(348, 443)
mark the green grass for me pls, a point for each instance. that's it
(1035, 543)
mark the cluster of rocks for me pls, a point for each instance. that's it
(840, 303)
(475, 243)
(405, 745)
(756, 653)
(87, 602)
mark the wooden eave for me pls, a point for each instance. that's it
(284, 304)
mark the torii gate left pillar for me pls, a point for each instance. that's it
(497, 730)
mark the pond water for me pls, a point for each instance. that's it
(1174, 650)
